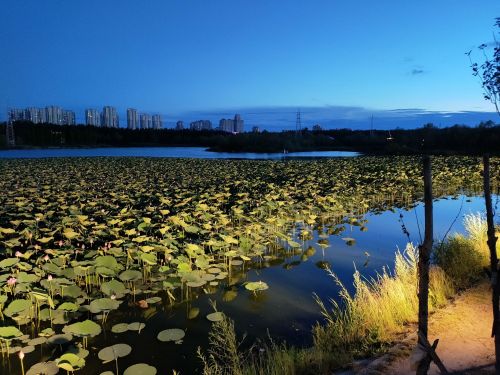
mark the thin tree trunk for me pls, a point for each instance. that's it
(492, 239)
(423, 267)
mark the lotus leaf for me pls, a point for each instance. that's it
(83, 329)
(28, 349)
(8, 262)
(215, 316)
(113, 287)
(79, 351)
(173, 334)
(17, 306)
(60, 339)
(113, 352)
(140, 369)
(119, 328)
(45, 368)
(70, 362)
(103, 304)
(37, 341)
(256, 286)
(8, 333)
(130, 275)
(108, 261)
(136, 326)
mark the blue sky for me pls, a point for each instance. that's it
(189, 59)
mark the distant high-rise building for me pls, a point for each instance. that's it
(109, 117)
(15, 114)
(255, 129)
(231, 126)
(54, 115)
(35, 115)
(132, 119)
(179, 125)
(201, 125)
(92, 117)
(226, 125)
(145, 120)
(238, 124)
(157, 122)
(69, 118)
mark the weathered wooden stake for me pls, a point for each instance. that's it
(492, 239)
(424, 255)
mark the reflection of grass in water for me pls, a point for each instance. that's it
(357, 326)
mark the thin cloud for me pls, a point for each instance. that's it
(417, 71)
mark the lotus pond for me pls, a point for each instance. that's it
(121, 264)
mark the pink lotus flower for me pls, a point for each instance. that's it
(18, 254)
(46, 258)
(49, 277)
(11, 281)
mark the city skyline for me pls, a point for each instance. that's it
(321, 57)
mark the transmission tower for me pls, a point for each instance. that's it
(298, 122)
(9, 132)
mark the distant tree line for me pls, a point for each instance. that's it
(458, 139)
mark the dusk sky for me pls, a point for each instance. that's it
(339, 61)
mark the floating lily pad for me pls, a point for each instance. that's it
(79, 351)
(173, 334)
(103, 304)
(87, 328)
(119, 328)
(45, 368)
(60, 339)
(37, 341)
(28, 349)
(70, 362)
(215, 317)
(8, 333)
(113, 352)
(130, 275)
(256, 286)
(9, 262)
(136, 326)
(140, 369)
(113, 287)
(17, 306)
(68, 306)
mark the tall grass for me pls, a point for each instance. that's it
(362, 323)
(464, 257)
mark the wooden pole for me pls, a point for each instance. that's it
(492, 239)
(424, 254)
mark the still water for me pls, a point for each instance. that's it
(164, 152)
(287, 310)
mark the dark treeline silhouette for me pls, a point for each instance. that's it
(458, 139)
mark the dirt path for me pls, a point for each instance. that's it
(463, 328)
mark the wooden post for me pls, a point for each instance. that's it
(424, 254)
(492, 239)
